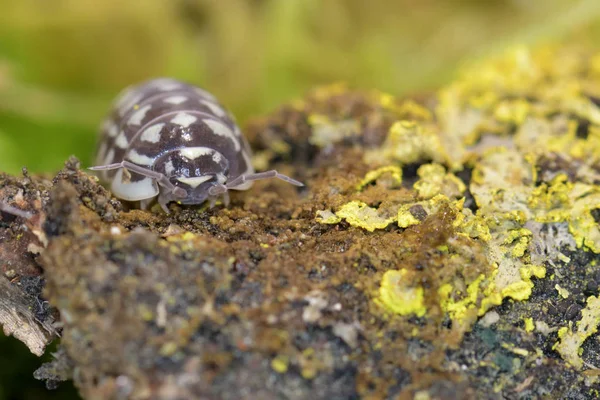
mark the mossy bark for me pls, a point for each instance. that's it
(421, 260)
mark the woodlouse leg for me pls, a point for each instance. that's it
(145, 203)
(106, 167)
(132, 167)
(163, 204)
(161, 179)
(262, 175)
(226, 199)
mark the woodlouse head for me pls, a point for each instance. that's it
(191, 173)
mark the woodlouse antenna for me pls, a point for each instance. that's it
(160, 178)
(15, 211)
(262, 175)
(240, 180)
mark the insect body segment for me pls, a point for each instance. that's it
(168, 139)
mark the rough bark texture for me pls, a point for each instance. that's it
(444, 247)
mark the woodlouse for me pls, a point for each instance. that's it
(169, 139)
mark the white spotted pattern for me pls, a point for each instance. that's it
(175, 99)
(128, 102)
(111, 129)
(114, 130)
(184, 119)
(215, 109)
(166, 84)
(137, 117)
(152, 134)
(121, 141)
(124, 97)
(221, 129)
(195, 181)
(139, 159)
(169, 168)
(194, 152)
(181, 115)
(205, 94)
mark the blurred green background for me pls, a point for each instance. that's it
(63, 61)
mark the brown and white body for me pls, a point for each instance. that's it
(169, 139)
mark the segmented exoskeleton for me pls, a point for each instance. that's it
(169, 139)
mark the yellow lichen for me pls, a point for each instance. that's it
(145, 312)
(168, 349)
(409, 142)
(309, 363)
(582, 225)
(502, 181)
(529, 325)
(473, 226)
(521, 89)
(326, 131)
(570, 340)
(406, 217)
(516, 350)
(550, 198)
(562, 292)
(538, 271)
(308, 372)
(359, 214)
(324, 92)
(519, 239)
(403, 109)
(465, 308)
(542, 137)
(508, 119)
(435, 180)
(181, 237)
(398, 294)
(520, 290)
(506, 250)
(393, 170)
(327, 217)
(422, 395)
(505, 242)
(562, 201)
(512, 111)
(280, 364)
